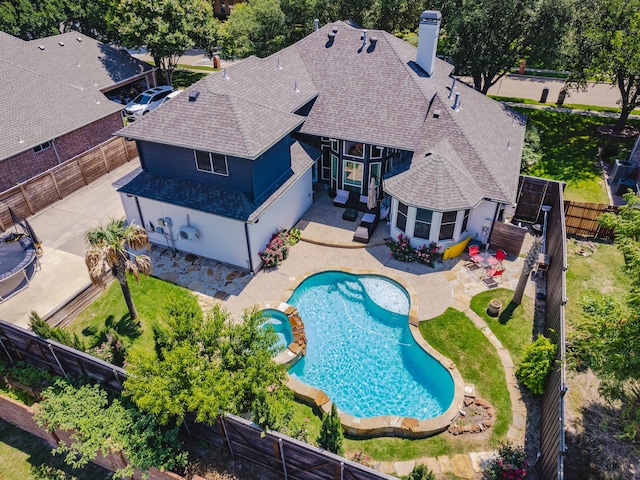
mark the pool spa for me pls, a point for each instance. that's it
(363, 354)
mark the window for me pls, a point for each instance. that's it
(376, 152)
(465, 220)
(374, 172)
(334, 145)
(211, 162)
(334, 171)
(352, 176)
(401, 217)
(422, 228)
(41, 147)
(448, 225)
(354, 149)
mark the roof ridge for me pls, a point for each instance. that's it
(239, 121)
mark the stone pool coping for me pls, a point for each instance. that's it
(387, 424)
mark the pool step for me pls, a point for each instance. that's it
(351, 290)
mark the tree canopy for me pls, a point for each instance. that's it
(166, 28)
(605, 46)
(208, 364)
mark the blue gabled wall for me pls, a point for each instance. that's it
(252, 177)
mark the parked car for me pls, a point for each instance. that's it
(173, 94)
(145, 102)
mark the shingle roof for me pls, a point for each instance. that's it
(47, 93)
(217, 200)
(375, 95)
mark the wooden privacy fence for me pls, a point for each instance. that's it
(280, 453)
(37, 193)
(582, 219)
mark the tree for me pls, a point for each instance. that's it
(331, 435)
(209, 364)
(255, 28)
(485, 39)
(606, 47)
(537, 363)
(529, 261)
(167, 28)
(98, 424)
(110, 251)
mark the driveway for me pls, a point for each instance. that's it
(62, 227)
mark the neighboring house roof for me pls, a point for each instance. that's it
(47, 93)
(370, 94)
(218, 200)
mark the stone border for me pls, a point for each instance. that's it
(298, 347)
(387, 424)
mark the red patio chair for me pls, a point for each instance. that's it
(475, 258)
(491, 276)
(500, 256)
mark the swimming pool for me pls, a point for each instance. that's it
(280, 323)
(360, 350)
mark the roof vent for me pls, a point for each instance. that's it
(79, 39)
(436, 114)
(334, 29)
(456, 102)
(373, 41)
(193, 95)
(316, 24)
(332, 37)
(364, 38)
(61, 43)
(295, 87)
(453, 86)
(278, 66)
(41, 47)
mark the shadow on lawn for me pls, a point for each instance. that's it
(124, 327)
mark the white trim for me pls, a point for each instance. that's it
(211, 163)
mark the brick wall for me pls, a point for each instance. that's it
(26, 165)
(21, 416)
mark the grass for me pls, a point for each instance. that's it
(607, 261)
(514, 326)
(456, 337)
(572, 106)
(25, 456)
(111, 311)
(569, 148)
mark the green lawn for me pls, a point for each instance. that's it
(514, 326)
(596, 274)
(569, 146)
(24, 456)
(110, 310)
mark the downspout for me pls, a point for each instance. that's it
(139, 212)
(246, 234)
(55, 151)
(495, 217)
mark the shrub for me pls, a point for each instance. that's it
(510, 464)
(536, 364)
(112, 349)
(428, 254)
(42, 328)
(298, 429)
(277, 250)
(401, 248)
(420, 472)
(294, 236)
(331, 436)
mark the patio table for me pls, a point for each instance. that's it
(350, 214)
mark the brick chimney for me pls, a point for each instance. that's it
(428, 39)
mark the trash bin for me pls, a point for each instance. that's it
(561, 97)
(621, 169)
(624, 184)
(545, 94)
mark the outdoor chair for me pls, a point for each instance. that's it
(474, 258)
(342, 197)
(500, 256)
(366, 228)
(492, 276)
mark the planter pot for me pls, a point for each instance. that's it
(494, 307)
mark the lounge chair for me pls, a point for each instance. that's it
(341, 199)
(366, 228)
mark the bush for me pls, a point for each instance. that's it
(42, 328)
(401, 248)
(510, 464)
(539, 358)
(428, 254)
(294, 236)
(277, 250)
(420, 472)
(331, 436)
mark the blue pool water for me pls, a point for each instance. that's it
(280, 324)
(360, 350)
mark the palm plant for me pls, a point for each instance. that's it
(110, 252)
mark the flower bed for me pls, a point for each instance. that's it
(401, 249)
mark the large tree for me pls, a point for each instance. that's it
(166, 28)
(111, 250)
(486, 39)
(206, 364)
(605, 46)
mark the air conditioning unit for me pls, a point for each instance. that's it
(159, 230)
(189, 233)
(165, 222)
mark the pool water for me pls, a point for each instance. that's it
(360, 350)
(280, 324)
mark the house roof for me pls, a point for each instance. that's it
(48, 93)
(218, 200)
(373, 94)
